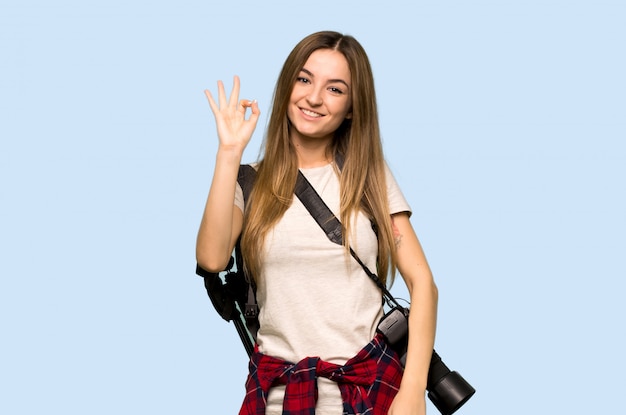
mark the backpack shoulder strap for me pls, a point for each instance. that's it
(246, 178)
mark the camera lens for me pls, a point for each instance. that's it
(447, 390)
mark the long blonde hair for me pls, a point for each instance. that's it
(362, 178)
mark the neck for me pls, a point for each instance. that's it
(312, 153)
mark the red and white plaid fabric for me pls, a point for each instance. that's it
(368, 382)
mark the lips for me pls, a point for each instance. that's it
(310, 113)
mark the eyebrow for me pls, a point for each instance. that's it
(306, 71)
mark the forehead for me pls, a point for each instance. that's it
(328, 64)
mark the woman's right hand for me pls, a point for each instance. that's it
(233, 129)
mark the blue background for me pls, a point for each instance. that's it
(503, 121)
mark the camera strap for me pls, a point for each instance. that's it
(327, 220)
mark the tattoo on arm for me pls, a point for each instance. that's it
(398, 239)
(397, 236)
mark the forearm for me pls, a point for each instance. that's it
(413, 267)
(422, 327)
(220, 227)
(410, 399)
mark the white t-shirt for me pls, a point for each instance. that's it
(314, 299)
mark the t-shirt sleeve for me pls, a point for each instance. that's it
(397, 201)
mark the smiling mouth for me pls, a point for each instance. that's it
(311, 113)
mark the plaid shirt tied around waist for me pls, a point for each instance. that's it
(368, 382)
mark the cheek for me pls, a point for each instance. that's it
(290, 113)
(345, 113)
(294, 98)
(346, 107)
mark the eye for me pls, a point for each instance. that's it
(335, 90)
(303, 80)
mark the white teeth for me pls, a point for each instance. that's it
(311, 113)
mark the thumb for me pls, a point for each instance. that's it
(254, 107)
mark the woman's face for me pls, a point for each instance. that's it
(321, 97)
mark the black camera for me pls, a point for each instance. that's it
(447, 390)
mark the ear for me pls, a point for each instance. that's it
(349, 116)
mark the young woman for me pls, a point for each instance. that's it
(318, 351)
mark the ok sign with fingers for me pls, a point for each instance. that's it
(233, 129)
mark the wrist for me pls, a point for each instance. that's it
(230, 153)
(416, 387)
(412, 382)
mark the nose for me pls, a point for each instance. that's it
(314, 98)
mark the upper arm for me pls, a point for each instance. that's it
(213, 255)
(237, 226)
(410, 257)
